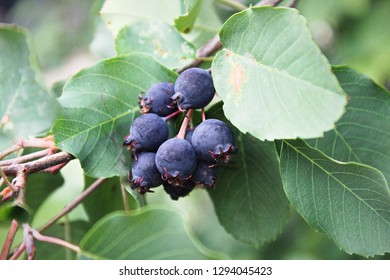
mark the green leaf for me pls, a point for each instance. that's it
(106, 199)
(99, 105)
(12, 210)
(271, 71)
(26, 107)
(186, 21)
(40, 187)
(158, 39)
(348, 201)
(144, 235)
(206, 26)
(71, 232)
(120, 13)
(249, 198)
(363, 133)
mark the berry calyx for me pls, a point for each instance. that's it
(144, 174)
(205, 174)
(176, 161)
(213, 141)
(158, 99)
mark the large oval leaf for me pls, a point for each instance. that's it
(26, 107)
(158, 39)
(348, 201)
(363, 133)
(120, 13)
(99, 104)
(249, 199)
(273, 80)
(149, 234)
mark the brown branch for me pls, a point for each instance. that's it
(27, 157)
(54, 240)
(268, 2)
(18, 251)
(47, 142)
(75, 202)
(37, 165)
(208, 49)
(9, 239)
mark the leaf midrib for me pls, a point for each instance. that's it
(337, 180)
(101, 124)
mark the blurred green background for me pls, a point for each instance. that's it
(68, 35)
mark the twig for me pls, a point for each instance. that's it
(9, 151)
(47, 142)
(38, 165)
(19, 251)
(233, 4)
(207, 50)
(9, 239)
(74, 203)
(7, 182)
(126, 206)
(268, 2)
(54, 240)
(292, 3)
(27, 157)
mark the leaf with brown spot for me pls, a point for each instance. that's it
(274, 81)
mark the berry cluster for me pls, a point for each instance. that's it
(192, 157)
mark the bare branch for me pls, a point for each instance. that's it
(9, 239)
(74, 203)
(38, 165)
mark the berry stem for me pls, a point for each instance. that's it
(171, 115)
(203, 115)
(182, 131)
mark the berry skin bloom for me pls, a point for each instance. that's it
(144, 173)
(213, 141)
(176, 161)
(205, 174)
(158, 99)
(194, 89)
(147, 133)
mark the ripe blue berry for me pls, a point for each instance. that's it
(158, 99)
(194, 89)
(188, 135)
(147, 133)
(213, 141)
(178, 191)
(144, 173)
(205, 174)
(176, 161)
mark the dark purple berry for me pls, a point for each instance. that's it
(178, 191)
(144, 173)
(158, 99)
(176, 161)
(188, 135)
(205, 174)
(213, 141)
(194, 89)
(147, 133)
